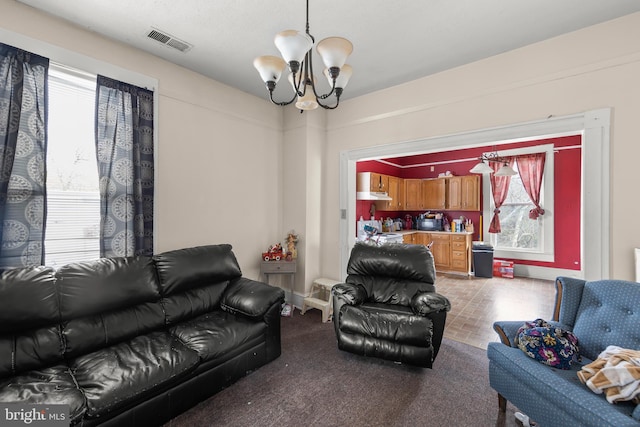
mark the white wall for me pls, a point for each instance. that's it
(229, 190)
(245, 198)
(593, 68)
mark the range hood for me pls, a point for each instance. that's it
(372, 195)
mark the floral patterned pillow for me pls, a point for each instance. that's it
(548, 344)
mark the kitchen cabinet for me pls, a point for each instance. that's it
(413, 194)
(456, 193)
(460, 252)
(463, 193)
(395, 190)
(441, 250)
(433, 194)
(451, 251)
(409, 238)
(379, 182)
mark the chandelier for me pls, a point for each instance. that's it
(483, 167)
(295, 48)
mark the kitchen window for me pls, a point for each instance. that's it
(522, 237)
(73, 200)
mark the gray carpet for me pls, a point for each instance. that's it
(315, 384)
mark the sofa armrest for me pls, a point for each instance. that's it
(507, 329)
(425, 303)
(250, 298)
(350, 293)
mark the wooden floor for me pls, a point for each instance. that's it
(477, 302)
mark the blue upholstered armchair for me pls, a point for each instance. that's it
(600, 313)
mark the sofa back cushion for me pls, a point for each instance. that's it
(392, 274)
(193, 280)
(106, 301)
(29, 319)
(608, 314)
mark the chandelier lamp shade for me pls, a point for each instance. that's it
(296, 50)
(484, 167)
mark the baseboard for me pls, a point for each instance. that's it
(544, 273)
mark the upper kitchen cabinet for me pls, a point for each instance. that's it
(413, 194)
(396, 192)
(433, 194)
(463, 193)
(379, 183)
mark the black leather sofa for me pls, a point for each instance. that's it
(388, 308)
(134, 341)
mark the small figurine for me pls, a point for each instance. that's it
(274, 253)
(291, 241)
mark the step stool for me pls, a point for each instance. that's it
(320, 298)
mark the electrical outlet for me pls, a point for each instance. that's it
(433, 168)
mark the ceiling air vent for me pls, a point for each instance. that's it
(169, 40)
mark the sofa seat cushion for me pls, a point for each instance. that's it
(53, 385)
(512, 368)
(219, 335)
(131, 371)
(387, 322)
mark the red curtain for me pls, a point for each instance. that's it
(531, 169)
(499, 189)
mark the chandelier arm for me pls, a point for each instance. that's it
(325, 96)
(295, 91)
(300, 82)
(328, 107)
(283, 103)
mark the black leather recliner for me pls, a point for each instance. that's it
(388, 307)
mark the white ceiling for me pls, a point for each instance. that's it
(394, 41)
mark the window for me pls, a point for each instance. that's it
(522, 237)
(518, 231)
(73, 201)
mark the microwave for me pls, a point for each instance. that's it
(429, 224)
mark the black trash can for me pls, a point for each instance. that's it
(482, 259)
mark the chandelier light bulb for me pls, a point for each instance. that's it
(293, 45)
(269, 67)
(334, 51)
(343, 78)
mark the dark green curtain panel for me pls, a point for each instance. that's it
(124, 149)
(23, 147)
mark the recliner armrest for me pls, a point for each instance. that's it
(425, 303)
(350, 293)
(250, 298)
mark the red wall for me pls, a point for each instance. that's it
(567, 172)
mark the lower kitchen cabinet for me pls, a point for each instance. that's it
(461, 252)
(441, 250)
(451, 251)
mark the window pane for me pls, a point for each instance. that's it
(518, 230)
(73, 201)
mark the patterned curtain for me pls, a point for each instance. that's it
(124, 149)
(23, 147)
(531, 169)
(499, 190)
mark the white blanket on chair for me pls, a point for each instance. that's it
(616, 372)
